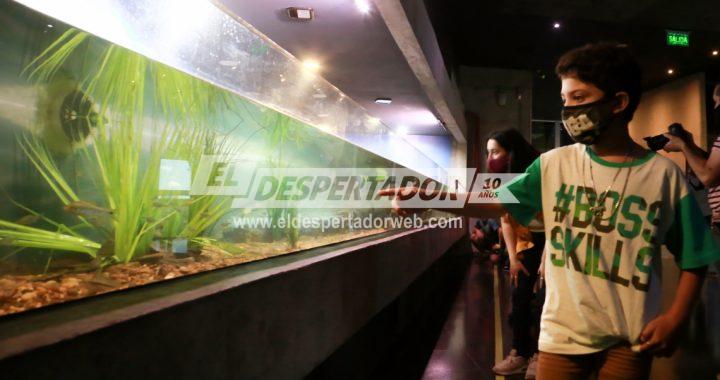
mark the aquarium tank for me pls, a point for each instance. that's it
(105, 126)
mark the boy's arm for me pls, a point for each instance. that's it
(659, 337)
(475, 210)
(689, 239)
(691, 281)
(523, 195)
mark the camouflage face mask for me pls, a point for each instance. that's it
(585, 122)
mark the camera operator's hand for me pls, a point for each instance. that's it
(676, 144)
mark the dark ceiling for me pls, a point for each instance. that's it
(357, 54)
(519, 33)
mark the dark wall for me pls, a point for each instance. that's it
(398, 342)
(546, 96)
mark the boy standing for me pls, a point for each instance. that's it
(608, 206)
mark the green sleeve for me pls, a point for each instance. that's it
(526, 188)
(689, 238)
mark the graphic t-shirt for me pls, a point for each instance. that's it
(603, 274)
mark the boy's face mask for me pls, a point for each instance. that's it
(585, 122)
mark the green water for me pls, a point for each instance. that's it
(85, 128)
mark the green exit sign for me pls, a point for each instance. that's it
(676, 38)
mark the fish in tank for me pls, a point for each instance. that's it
(98, 149)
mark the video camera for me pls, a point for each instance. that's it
(658, 142)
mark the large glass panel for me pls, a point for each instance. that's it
(99, 146)
(198, 38)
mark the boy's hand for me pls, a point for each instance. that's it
(659, 337)
(401, 194)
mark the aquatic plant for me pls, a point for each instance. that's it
(293, 232)
(204, 211)
(281, 130)
(19, 235)
(128, 144)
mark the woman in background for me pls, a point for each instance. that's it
(509, 152)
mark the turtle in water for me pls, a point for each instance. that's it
(77, 116)
(65, 115)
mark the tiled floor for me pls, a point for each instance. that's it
(466, 347)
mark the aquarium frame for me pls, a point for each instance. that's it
(65, 330)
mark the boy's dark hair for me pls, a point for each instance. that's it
(609, 66)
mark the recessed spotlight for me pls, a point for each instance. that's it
(670, 71)
(301, 14)
(311, 65)
(715, 52)
(363, 6)
(556, 25)
(383, 100)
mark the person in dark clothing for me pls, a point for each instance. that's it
(508, 151)
(485, 236)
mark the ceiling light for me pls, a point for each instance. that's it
(363, 6)
(383, 100)
(301, 14)
(311, 65)
(556, 25)
(670, 71)
(715, 52)
(402, 130)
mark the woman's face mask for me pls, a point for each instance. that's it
(498, 165)
(585, 122)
